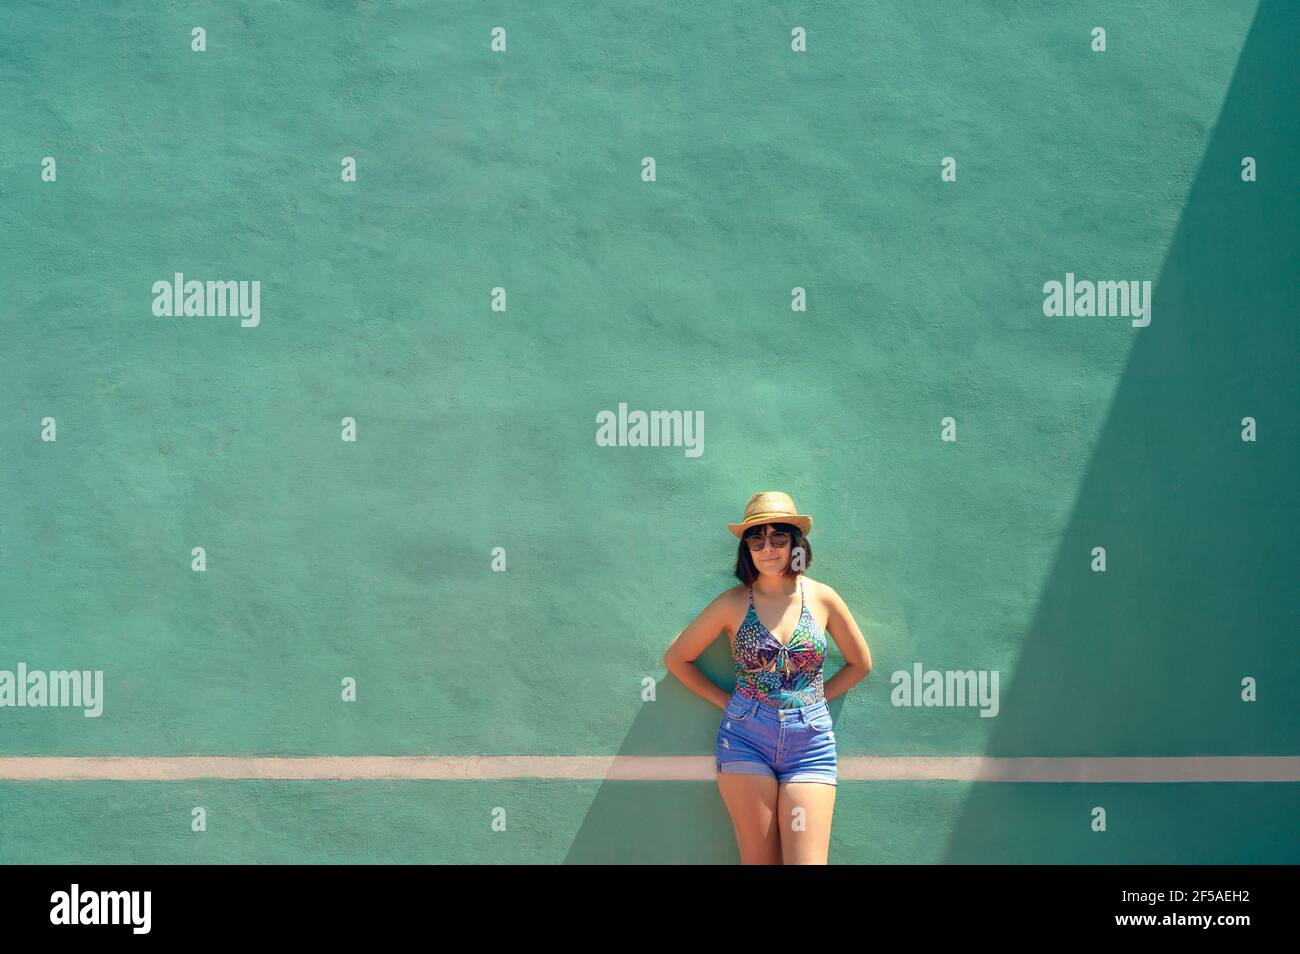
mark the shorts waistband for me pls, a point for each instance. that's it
(757, 708)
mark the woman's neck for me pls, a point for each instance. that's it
(777, 586)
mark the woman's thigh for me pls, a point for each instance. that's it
(751, 801)
(804, 810)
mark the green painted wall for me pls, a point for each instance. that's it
(476, 428)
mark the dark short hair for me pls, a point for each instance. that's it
(747, 573)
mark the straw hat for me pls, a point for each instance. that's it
(771, 506)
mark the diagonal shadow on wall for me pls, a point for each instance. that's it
(1199, 530)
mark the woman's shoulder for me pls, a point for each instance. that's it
(817, 585)
(820, 592)
(729, 597)
(738, 593)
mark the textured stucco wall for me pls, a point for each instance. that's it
(476, 428)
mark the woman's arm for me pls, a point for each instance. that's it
(687, 646)
(853, 647)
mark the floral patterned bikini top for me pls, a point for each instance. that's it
(786, 676)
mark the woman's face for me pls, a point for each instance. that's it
(771, 560)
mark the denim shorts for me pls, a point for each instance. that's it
(792, 745)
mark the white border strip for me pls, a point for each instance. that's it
(963, 768)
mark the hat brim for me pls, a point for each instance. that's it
(800, 520)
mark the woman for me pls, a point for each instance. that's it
(775, 751)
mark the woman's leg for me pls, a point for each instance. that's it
(751, 801)
(805, 810)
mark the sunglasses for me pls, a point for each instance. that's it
(779, 539)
